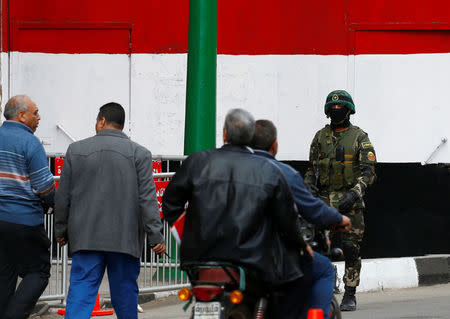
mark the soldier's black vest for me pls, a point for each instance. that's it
(338, 162)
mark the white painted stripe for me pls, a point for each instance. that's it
(384, 273)
(401, 100)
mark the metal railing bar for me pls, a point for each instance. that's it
(163, 288)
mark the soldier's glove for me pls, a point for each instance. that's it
(313, 189)
(347, 201)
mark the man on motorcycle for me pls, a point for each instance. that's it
(311, 208)
(240, 210)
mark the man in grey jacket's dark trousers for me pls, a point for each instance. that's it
(105, 203)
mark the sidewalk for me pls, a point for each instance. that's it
(376, 274)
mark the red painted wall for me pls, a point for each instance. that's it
(244, 27)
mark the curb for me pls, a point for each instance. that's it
(397, 273)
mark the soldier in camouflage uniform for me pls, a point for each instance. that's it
(342, 166)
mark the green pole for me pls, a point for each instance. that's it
(200, 120)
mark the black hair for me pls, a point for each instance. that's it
(264, 136)
(113, 113)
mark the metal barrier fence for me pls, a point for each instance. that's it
(57, 285)
(158, 273)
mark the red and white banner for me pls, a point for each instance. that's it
(277, 59)
(160, 188)
(58, 168)
(157, 166)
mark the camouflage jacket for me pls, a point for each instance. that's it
(341, 161)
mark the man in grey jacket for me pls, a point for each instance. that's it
(105, 203)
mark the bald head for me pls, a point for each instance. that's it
(21, 108)
(15, 105)
(239, 127)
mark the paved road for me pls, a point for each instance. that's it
(416, 303)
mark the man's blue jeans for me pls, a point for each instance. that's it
(321, 271)
(86, 275)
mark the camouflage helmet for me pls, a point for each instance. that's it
(339, 97)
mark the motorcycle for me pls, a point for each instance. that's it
(224, 291)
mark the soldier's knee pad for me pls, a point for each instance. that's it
(351, 252)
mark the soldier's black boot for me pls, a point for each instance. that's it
(349, 300)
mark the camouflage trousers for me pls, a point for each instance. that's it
(349, 241)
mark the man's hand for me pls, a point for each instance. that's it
(309, 250)
(344, 225)
(62, 241)
(347, 201)
(159, 248)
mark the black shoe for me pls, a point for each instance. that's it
(349, 300)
